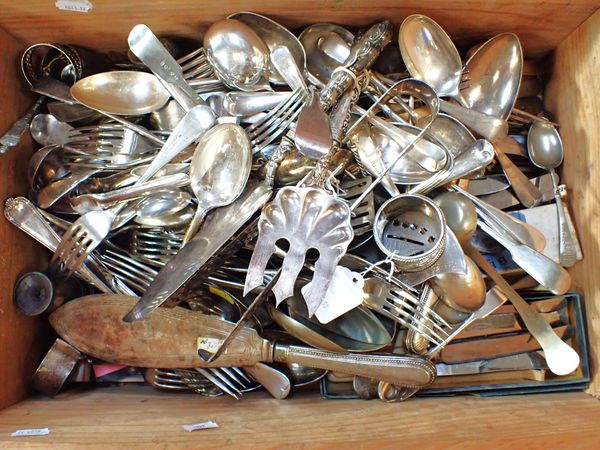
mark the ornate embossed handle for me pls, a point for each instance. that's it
(410, 371)
(569, 250)
(363, 53)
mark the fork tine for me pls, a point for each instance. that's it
(395, 294)
(222, 375)
(408, 324)
(269, 131)
(86, 247)
(234, 375)
(218, 383)
(411, 318)
(417, 315)
(241, 373)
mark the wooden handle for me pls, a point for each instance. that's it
(409, 371)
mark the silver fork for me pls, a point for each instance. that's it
(276, 121)
(87, 232)
(156, 244)
(231, 380)
(405, 309)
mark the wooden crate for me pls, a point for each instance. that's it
(566, 33)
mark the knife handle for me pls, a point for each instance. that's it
(362, 54)
(409, 371)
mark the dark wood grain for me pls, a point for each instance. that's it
(23, 339)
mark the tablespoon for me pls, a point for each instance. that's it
(219, 170)
(274, 35)
(430, 56)
(48, 130)
(239, 57)
(561, 358)
(495, 71)
(125, 93)
(546, 151)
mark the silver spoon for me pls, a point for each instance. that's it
(274, 35)
(48, 130)
(546, 151)
(219, 170)
(430, 55)
(495, 71)
(239, 57)
(561, 358)
(125, 93)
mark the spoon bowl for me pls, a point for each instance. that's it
(163, 203)
(544, 145)
(495, 71)
(48, 130)
(239, 57)
(273, 34)
(327, 46)
(460, 213)
(124, 92)
(219, 170)
(462, 292)
(430, 55)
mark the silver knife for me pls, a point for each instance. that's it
(488, 185)
(508, 323)
(522, 361)
(504, 199)
(220, 225)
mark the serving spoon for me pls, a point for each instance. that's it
(123, 92)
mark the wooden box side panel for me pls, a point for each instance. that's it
(23, 339)
(572, 96)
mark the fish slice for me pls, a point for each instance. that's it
(169, 339)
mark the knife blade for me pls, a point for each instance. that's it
(474, 349)
(504, 199)
(521, 361)
(542, 306)
(220, 225)
(488, 185)
(508, 323)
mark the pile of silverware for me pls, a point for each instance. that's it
(268, 207)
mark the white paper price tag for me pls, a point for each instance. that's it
(201, 426)
(345, 293)
(31, 432)
(74, 5)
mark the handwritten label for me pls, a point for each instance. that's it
(210, 345)
(31, 432)
(344, 293)
(201, 426)
(74, 5)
